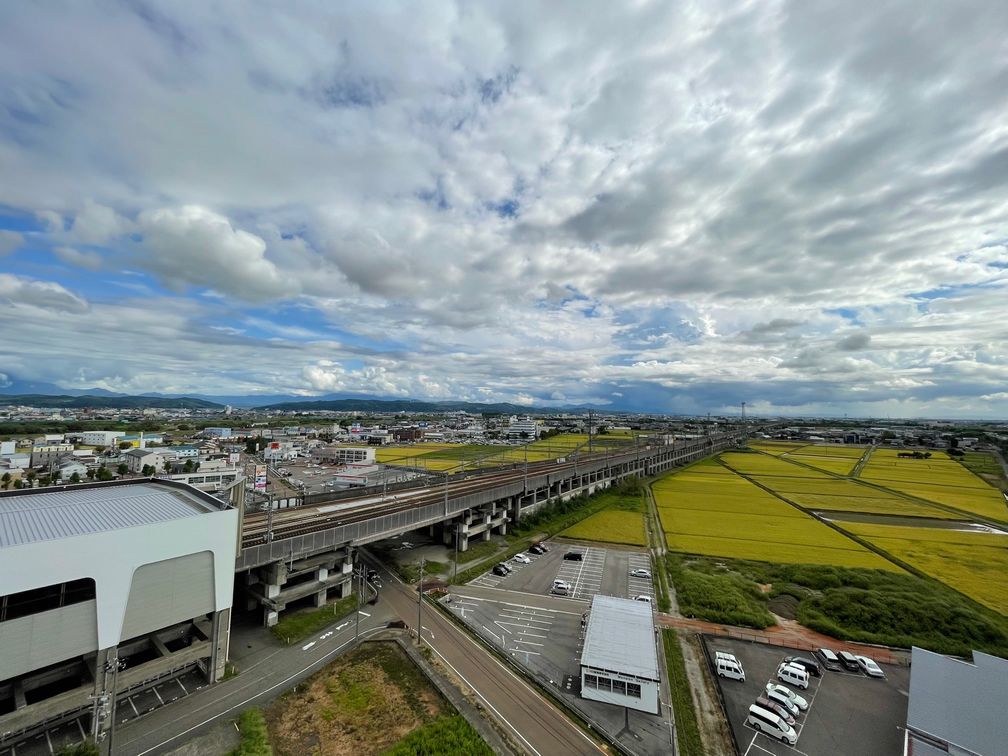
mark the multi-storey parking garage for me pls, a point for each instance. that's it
(108, 588)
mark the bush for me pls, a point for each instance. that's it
(84, 748)
(727, 597)
(300, 624)
(254, 735)
(452, 736)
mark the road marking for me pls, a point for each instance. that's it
(307, 646)
(502, 626)
(528, 643)
(273, 687)
(340, 627)
(363, 614)
(533, 635)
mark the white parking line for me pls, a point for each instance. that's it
(528, 643)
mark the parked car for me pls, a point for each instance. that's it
(541, 545)
(499, 570)
(782, 699)
(792, 674)
(766, 721)
(809, 665)
(776, 708)
(869, 666)
(574, 556)
(829, 659)
(506, 567)
(728, 666)
(849, 661)
(561, 584)
(798, 701)
(640, 573)
(642, 597)
(560, 590)
(536, 549)
(521, 559)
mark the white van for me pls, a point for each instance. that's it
(793, 674)
(768, 722)
(729, 667)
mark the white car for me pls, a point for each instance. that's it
(726, 656)
(642, 597)
(562, 584)
(797, 700)
(640, 573)
(521, 559)
(869, 666)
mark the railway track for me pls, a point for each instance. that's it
(288, 523)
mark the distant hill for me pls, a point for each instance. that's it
(110, 402)
(402, 405)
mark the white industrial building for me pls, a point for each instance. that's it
(524, 428)
(344, 455)
(957, 707)
(101, 438)
(137, 459)
(619, 661)
(108, 587)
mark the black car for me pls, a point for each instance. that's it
(536, 549)
(849, 661)
(574, 556)
(805, 663)
(499, 570)
(540, 545)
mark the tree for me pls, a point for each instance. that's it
(75, 478)
(99, 449)
(188, 467)
(91, 474)
(146, 471)
(6, 480)
(167, 465)
(123, 445)
(56, 475)
(122, 469)
(104, 473)
(18, 484)
(31, 475)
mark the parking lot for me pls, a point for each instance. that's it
(599, 571)
(127, 708)
(848, 713)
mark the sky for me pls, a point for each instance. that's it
(673, 206)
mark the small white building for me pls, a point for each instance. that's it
(525, 428)
(136, 459)
(217, 432)
(68, 467)
(619, 661)
(279, 451)
(43, 454)
(7, 448)
(344, 455)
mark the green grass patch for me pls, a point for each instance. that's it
(862, 605)
(687, 729)
(708, 592)
(610, 526)
(451, 736)
(254, 735)
(479, 550)
(298, 625)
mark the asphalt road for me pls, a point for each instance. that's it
(264, 679)
(527, 717)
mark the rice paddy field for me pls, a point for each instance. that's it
(973, 563)
(707, 509)
(444, 457)
(939, 479)
(611, 526)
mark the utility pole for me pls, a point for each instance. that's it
(458, 526)
(419, 606)
(446, 494)
(589, 431)
(359, 574)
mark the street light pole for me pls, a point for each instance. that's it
(419, 627)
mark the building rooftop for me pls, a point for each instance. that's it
(621, 638)
(55, 513)
(959, 702)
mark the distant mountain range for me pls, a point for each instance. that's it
(110, 402)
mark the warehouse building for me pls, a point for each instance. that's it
(108, 587)
(343, 455)
(619, 662)
(957, 707)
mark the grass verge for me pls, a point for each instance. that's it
(300, 624)
(254, 735)
(687, 730)
(452, 736)
(717, 595)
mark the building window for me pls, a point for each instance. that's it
(43, 599)
(633, 690)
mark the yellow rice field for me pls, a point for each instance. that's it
(706, 511)
(611, 526)
(974, 563)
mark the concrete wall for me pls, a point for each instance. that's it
(38, 640)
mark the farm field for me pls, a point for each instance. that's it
(611, 526)
(837, 465)
(706, 509)
(813, 490)
(775, 448)
(973, 563)
(939, 479)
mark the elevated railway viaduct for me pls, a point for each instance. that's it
(308, 550)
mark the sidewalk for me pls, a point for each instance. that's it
(788, 634)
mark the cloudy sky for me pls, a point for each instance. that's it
(673, 206)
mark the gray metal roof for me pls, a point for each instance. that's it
(621, 638)
(960, 703)
(52, 514)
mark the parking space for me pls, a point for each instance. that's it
(847, 713)
(599, 571)
(127, 708)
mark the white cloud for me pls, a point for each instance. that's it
(9, 241)
(90, 260)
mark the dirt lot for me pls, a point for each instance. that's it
(362, 704)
